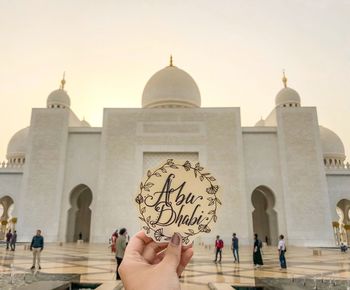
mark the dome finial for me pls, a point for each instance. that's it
(63, 81)
(284, 79)
(171, 60)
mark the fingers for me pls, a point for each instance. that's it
(172, 256)
(151, 251)
(138, 243)
(159, 257)
(173, 253)
(186, 256)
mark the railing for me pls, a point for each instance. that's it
(345, 166)
(8, 165)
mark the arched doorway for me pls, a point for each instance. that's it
(342, 226)
(79, 215)
(264, 216)
(6, 209)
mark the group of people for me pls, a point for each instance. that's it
(36, 245)
(11, 240)
(119, 241)
(257, 256)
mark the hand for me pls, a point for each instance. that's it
(148, 265)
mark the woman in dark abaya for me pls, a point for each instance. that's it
(257, 258)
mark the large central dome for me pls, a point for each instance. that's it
(171, 87)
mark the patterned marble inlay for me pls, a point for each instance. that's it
(95, 263)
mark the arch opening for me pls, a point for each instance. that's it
(79, 214)
(265, 222)
(7, 221)
(341, 227)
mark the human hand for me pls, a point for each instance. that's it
(148, 265)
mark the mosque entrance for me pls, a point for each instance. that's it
(79, 215)
(7, 221)
(342, 225)
(264, 216)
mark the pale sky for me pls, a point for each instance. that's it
(235, 51)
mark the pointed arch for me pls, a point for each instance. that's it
(265, 222)
(79, 214)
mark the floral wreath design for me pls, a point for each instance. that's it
(212, 198)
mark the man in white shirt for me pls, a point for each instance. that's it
(282, 250)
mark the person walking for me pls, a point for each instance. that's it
(114, 241)
(257, 258)
(282, 252)
(36, 247)
(8, 239)
(13, 241)
(120, 249)
(219, 244)
(234, 248)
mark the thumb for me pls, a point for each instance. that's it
(173, 253)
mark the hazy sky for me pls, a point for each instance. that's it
(235, 50)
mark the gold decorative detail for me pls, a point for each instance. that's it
(171, 60)
(63, 81)
(284, 79)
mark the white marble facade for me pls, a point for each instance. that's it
(284, 175)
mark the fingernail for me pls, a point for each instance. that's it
(175, 239)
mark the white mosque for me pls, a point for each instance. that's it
(287, 174)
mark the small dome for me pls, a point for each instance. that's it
(171, 87)
(58, 99)
(17, 146)
(287, 97)
(332, 145)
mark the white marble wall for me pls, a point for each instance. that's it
(109, 160)
(43, 178)
(262, 168)
(304, 181)
(216, 136)
(339, 188)
(81, 167)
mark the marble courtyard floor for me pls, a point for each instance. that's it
(95, 263)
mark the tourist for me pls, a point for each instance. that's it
(219, 244)
(234, 248)
(36, 247)
(343, 248)
(120, 249)
(114, 241)
(257, 258)
(147, 267)
(8, 239)
(13, 241)
(282, 250)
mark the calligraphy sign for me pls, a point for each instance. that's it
(177, 197)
